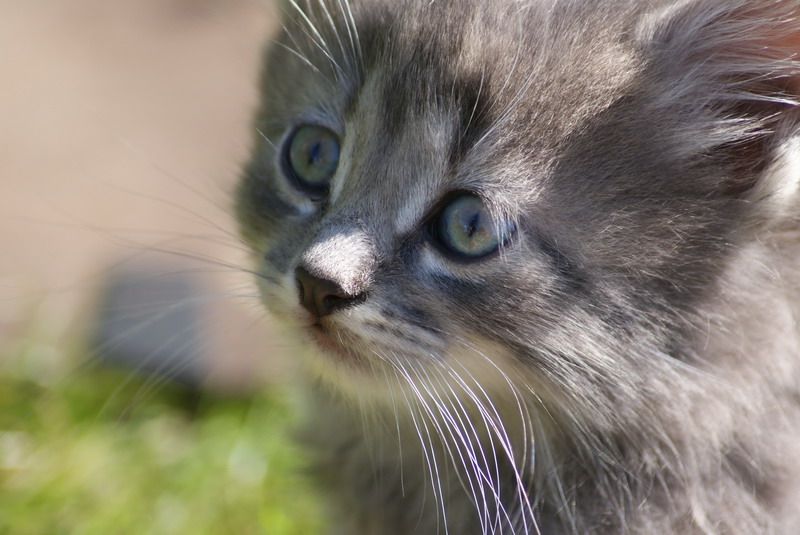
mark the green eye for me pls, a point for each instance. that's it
(311, 158)
(465, 228)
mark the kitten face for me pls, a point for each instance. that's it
(384, 248)
(599, 193)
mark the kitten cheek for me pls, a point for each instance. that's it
(483, 361)
(280, 299)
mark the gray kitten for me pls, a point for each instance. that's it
(545, 256)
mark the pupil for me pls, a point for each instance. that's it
(472, 225)
(314, 154)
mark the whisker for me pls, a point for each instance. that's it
(317, 39)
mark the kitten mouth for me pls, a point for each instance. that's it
(323, 338)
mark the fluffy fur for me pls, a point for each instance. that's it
(630, 361)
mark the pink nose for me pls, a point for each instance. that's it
(320, 296)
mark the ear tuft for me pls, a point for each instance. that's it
(739, 60)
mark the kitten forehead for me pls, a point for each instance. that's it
(397, 177)
(509, 97)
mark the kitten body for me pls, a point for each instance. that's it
(626, 358)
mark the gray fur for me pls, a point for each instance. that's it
(630, 362)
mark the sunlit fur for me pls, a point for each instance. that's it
(629, 362)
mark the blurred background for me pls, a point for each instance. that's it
(140, 383)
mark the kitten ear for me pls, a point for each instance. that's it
(740, 61)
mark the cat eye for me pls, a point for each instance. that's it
(311, 158)
(466, 228)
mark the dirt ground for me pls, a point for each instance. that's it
(123, 124)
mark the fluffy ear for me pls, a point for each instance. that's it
(739, 62)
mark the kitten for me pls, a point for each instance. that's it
(545, 256)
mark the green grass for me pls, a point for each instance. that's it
(89, 454)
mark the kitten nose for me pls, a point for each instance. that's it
(320, 296)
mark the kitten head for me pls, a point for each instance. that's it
(538, 196)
